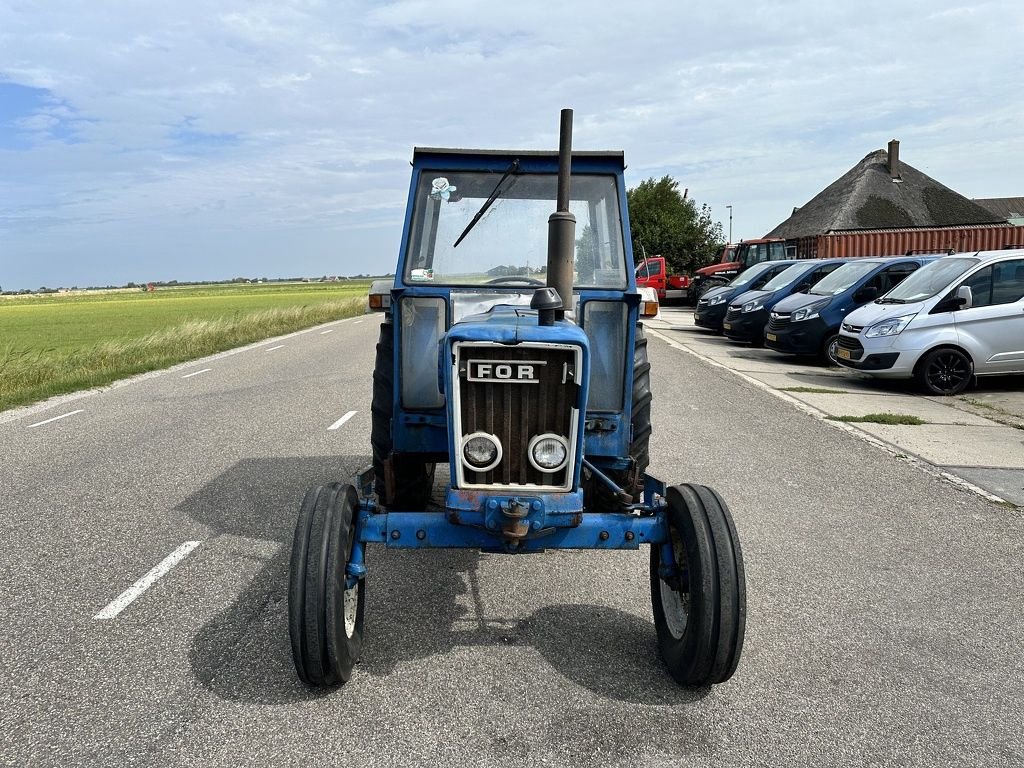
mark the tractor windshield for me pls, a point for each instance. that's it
(508, 244)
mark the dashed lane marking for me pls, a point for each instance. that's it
(342, 420)
(329, 330)
(196, 373)
(129, 596)
(271, 349)
(55, 418)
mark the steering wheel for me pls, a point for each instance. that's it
(523, 280)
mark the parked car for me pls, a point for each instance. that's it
(808, 323)
(748, 313)
(711, 307)
(952, 320)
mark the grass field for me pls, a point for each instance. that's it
(58, 343)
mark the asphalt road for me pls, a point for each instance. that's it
(884, 619)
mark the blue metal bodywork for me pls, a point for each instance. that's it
(425, 430)
(518, 518)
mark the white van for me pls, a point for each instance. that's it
(959, 317)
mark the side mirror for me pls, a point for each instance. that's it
(803, 287)
(962, 299)
(866, 294)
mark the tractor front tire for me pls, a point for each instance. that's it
(597, 496)
(411, 478)
(325, 620)
(700, 611)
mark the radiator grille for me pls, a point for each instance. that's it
(515, 412)
(853, 345)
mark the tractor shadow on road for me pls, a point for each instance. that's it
(419, 604)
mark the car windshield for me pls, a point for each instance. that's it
(929, 280)
(508, 244)
(785, 277)
(747, 276)
(843, 278)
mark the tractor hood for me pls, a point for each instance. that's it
(713, 269)
(506, 324)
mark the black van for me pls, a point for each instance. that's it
(711, 307)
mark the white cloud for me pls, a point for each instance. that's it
(256, 136)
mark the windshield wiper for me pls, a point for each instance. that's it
(514, 168)
(890, 301)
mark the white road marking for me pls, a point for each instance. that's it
(329, 330)
(342, 420)
(55, 418)
(357, 322)
(271, 349)
(127, 597)
(196, 373)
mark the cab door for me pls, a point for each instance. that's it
(992, 328)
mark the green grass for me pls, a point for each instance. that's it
(56, 344)
(816, 390)
(881, 418)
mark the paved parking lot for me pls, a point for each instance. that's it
(976, 438)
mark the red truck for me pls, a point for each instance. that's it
(653, 273)
(733, 259)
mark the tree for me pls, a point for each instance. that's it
(666, 223)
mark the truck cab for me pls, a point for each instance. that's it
(654, 273)
(746, 254)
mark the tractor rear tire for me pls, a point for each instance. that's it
(707, 285)
(700, 613)
(325, 620)
(412, 477)
(597, 496)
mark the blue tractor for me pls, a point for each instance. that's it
(514, 352)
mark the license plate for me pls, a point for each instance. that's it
(771, 337)
(843, 353)
(727, 326)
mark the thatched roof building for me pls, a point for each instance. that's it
(881, 192)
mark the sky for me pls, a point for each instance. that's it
(150, 141)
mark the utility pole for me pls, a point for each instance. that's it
(730, 222)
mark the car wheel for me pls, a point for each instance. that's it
(945, 371)
(830, 350)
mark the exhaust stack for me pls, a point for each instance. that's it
(561, 223)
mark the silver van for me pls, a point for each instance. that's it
(959, 317)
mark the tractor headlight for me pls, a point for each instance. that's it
(481, 452)
(549, 453)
